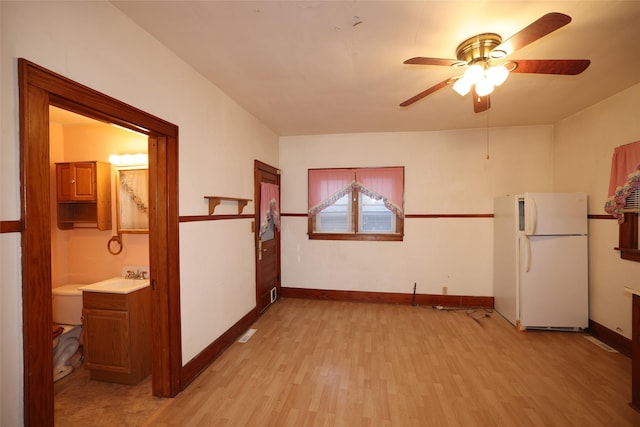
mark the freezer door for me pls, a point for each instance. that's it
(555, 213)
(554, 282)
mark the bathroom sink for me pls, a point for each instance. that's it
(116, 285)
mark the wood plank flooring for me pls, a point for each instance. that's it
(327, 363)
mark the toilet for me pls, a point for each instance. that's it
(67, 326)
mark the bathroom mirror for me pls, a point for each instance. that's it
(132, 200)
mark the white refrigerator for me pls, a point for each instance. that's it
(541, 260)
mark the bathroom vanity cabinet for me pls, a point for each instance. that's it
(83, 192)
(117, 335)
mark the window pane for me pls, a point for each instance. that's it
(632, 202)
(335, 218)
(375, 217)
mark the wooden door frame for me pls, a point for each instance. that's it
(40, 88)
(260, 166)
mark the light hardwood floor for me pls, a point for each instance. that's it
(314, 363)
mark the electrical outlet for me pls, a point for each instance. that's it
(444, 290)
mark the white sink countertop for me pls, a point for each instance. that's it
(116, 285)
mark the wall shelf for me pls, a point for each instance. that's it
(215, 201)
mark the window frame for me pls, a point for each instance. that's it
(396, 236)
(628, 237)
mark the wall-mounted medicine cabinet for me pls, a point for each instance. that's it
(83, 191)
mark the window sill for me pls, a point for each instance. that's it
(358, 236)
(629, 254)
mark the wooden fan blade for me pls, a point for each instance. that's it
(424, 93)
(534, 31)
(569, 67)
(480, 103)
(419, 60)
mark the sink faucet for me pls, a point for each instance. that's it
(132, 274)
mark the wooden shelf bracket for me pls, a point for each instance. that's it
(215, 201)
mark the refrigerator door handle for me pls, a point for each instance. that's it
(532, 210)
(527, 263)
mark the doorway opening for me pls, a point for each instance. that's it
(39, 89)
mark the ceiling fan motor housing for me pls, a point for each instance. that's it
(477, 48)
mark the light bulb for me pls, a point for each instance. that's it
(462, 86)
(127, 159)
(114, 159)
(141, 159)
(484, 87)
(474, 73)
(497, 74)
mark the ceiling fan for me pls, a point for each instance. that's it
(480, 55)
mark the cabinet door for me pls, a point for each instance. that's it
(106, 340)
(84, 187)
(64, 181)
(76, 181)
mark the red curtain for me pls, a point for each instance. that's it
(383, 183)
(625, 160)
(326, 186)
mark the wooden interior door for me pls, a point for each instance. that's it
(267, 244)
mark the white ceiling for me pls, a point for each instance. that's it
(318, 67)
(67, 118)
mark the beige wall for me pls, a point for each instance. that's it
(445, 173)
(95, 45)
(583, 147)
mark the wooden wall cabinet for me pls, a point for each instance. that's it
(83, 191)
(117, 335)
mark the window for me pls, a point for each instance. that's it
(335, 218)
(374, 216)
(624, 198)
(356, 204)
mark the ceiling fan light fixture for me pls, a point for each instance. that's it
(462, 86)
(497, 74)
(474, 74)
(484, 87)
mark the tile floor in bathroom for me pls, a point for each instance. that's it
(80, 401)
